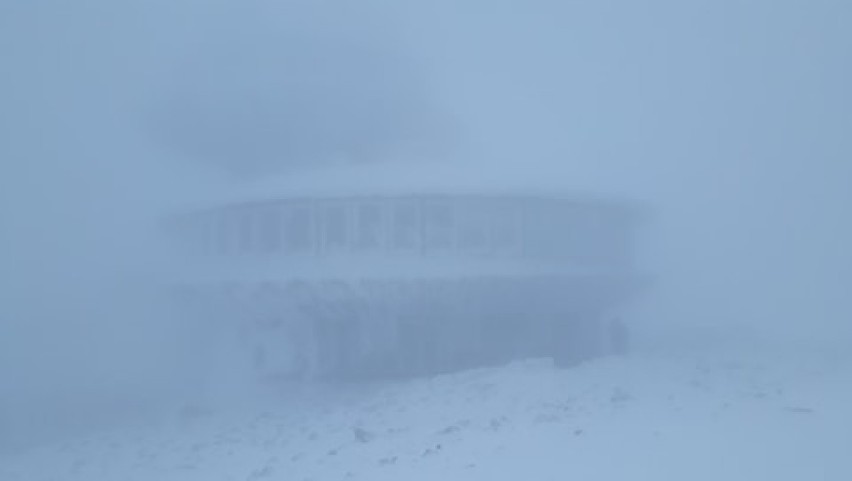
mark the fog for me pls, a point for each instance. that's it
(728, 121)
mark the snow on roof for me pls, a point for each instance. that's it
(409, 178)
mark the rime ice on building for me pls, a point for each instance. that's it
(371, 272)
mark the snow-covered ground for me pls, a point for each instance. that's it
(637, 418)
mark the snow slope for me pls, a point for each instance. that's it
(654, 418)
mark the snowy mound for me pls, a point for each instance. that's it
(612, 419)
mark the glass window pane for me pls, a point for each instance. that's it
(297, 229)
(473, 227)
(505, 227)
(369, 227)
(406, 226)
(438, 226)
(245, 227)
(334, 227)
(226, 233)
(269, 238)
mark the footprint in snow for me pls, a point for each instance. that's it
(362, 435)
(449, 430)
(260, 473)
(431, 451)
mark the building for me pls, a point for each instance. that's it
(372, 272)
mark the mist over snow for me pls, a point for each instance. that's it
(730, 118)
(727, 121)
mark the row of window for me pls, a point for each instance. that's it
(329, 226)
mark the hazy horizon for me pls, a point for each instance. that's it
(730, 120)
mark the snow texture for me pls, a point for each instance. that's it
(636, 418)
